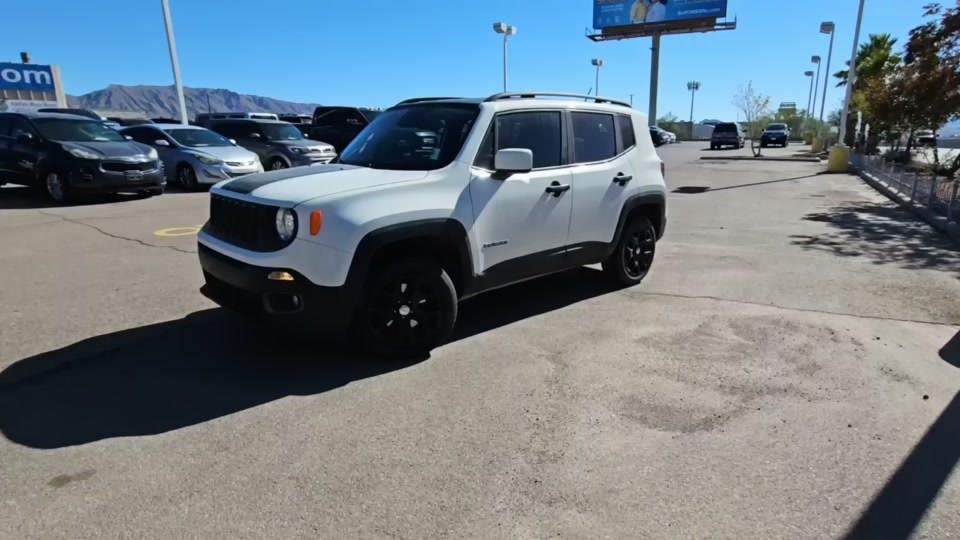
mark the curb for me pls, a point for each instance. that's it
(771, 158)
(949, 228)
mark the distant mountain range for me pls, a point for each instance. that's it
(161, 101)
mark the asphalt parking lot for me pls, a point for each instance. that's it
(790, 369)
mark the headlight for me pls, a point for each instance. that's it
(298, 149)
(82, 153)
(286, 222)
(207, 160)
(152, 154)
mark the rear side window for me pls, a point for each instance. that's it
(625, 127)
(594, 138)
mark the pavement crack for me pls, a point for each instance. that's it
(117, 236)
(790, 308)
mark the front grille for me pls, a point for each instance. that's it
(123, 166)
(244, 224)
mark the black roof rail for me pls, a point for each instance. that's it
(419, 99)
(530, 95)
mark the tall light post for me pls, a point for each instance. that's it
(810, 92)
(816, 85)
(598, 62)
(851, 76)
(692, 86)
(172, 44)
(826, 27)
(507, 31)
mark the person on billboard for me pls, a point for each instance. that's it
(657, 12)
(638, 13)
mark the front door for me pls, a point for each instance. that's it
(521, 220)
(23, 153)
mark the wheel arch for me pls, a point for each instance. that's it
(651, 205)
(442, 239)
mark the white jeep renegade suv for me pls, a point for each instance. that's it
(438, 199)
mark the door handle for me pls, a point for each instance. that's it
(622, 179)
(556, 188)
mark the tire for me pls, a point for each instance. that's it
(410, 307)
(785, 143)
(154, 192)
(713, 147)
(631, 260)
(763, 145)
(54, 187)
(276, 164)
(187, 177)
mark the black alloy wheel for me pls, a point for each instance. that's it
(631, 260)
(411, 307)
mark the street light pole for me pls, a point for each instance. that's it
(507, 31)
(826, 28)
(851, 76)
(816, 85)
(810, 92)
(172, 44)
(692, 86)
(596, 86)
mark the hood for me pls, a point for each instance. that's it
(313, 145)
(113, 149)
(224, 153)
(300, 184)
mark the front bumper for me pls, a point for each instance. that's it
(766, 139)
(300, 304)
(211, 174)
(94, 179)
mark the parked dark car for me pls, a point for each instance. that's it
(775, 134)
(66, 155)
(657, 135)
(726, 134)
(279, 144)
(303, 122)
(129, 121)
(339, 125)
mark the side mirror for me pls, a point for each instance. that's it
(513, 160)
(127, 137)
(233, 141)
(254, 135)
(161, 142)
(25, 138)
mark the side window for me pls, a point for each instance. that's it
(354, 119)
(538, 131)
(143, 135)
(337, 117)
(484, 158)
(593, 137)
(625, 127)
(19, 126)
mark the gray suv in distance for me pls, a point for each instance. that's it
(194, 155)
(279, 144)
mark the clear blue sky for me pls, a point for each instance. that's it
(376, 52)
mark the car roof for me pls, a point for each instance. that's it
(524, 102)
(62, 116)
(168, 127)
(256, 120)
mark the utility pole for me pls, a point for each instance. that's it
(826, 28)
(816, 85)
(631, 100)
(654, 78)
(692, 86)
(172, 44)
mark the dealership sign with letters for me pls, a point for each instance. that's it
(609, 13)
(26, 77)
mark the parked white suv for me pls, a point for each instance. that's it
(438, 199)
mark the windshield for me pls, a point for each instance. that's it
(725, 128)
(281, 132)
(196, 138)
(76, 130)
(777, 127)
(418, 138)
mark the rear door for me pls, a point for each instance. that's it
(522, 228)
(23, 155)
(603, 176)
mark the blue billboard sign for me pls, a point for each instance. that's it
(26, 77)
(607, 13)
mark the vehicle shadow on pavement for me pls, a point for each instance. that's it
(27, 198)
(696, 190)
(902, 502)
(179, 373)
(882, 232)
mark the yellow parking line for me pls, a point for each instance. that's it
(178, 231)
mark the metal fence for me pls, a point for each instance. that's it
(934, 192)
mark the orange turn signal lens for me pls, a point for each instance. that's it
(316, 221)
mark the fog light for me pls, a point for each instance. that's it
(278, 275)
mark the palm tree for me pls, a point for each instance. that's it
(875, 57)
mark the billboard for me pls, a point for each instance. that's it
(26, 77)
(25, 105)
(609, 13)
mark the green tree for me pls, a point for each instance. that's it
(875, 58)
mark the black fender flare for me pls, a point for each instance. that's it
(641, 199)
(448, 230)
